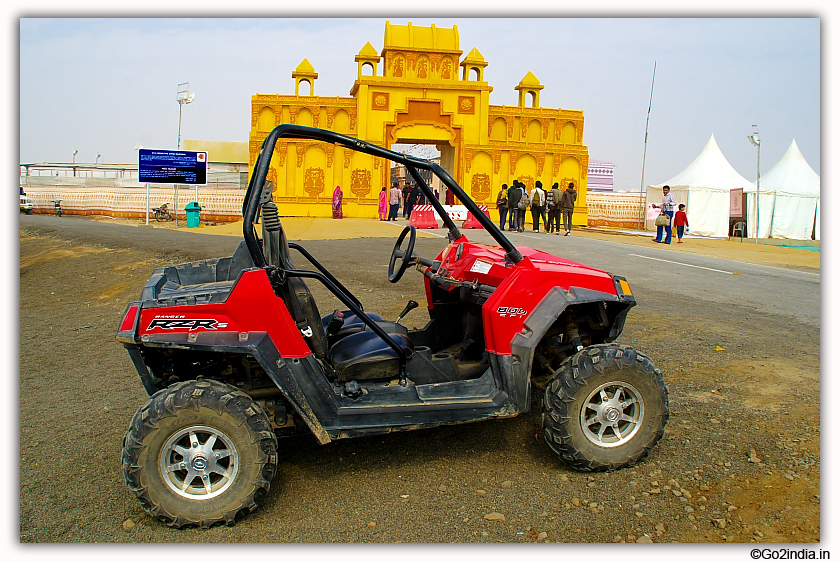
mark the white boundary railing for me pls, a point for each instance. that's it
(217, 204)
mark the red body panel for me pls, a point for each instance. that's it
(251, 307)
(519, 288)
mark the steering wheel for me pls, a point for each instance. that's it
(398, 253)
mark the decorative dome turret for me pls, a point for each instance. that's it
(474, 61)
(529, 85)
(305, 73)
(367, 55)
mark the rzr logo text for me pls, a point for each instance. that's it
(510, 311)
(186, 324)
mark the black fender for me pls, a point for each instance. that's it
(255, 344)
(549, 309)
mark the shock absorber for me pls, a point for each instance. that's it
(271, 232)
(573, 336)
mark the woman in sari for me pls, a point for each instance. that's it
(383, 205)
(336, 203)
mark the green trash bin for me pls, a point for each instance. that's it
(193, 214)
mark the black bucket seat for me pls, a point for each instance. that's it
(360, 354)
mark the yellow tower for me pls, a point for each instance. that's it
(418, 96)
(305, 73)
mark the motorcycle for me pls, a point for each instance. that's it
(162, 213)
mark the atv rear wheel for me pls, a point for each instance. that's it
(199, 453)
(605, 408)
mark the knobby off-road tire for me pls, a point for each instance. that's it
(199, 453)
(605, 408)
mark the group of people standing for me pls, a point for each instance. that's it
(513, 202)
(548, 205)
(408, 197)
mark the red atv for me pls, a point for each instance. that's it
(234, 352)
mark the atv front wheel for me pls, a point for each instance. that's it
(605, 408)
(199, 453)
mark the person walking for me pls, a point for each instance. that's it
(512, 201)
(413, 195)
(567, 206)
(406, 188)
(338, 197)
(514, 195)
(394, 200)
(537, 205)
(502, 204)
(544, 210)
(383, 204)
(667, 208)
(524, 203)
(449, 197)
(680, 221)
(521, 206)
(553, 198)
(549, 205)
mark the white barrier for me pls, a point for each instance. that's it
(455, 212)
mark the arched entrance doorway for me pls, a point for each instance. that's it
(425, 125)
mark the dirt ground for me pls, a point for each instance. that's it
(740, 461)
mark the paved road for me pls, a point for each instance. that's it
(763, 288)
(767, 290)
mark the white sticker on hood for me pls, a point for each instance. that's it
(481, 267)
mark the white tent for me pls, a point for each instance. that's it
(704, 187)
(788, 199)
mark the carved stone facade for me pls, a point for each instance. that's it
(411, 92)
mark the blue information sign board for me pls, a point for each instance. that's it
(173, 166)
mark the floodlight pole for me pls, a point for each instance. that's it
(184, 97)
(756, 140)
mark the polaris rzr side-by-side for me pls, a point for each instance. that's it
(234, 352)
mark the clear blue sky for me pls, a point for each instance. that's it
(105, 85)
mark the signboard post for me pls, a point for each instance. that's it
(736, 202)
(175, 167)
(736, 210)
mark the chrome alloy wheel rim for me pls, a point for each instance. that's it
(612, 414)
(199, 462)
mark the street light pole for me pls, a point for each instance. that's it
(184, 97)
(756, 141)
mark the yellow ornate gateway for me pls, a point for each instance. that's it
(414, 92)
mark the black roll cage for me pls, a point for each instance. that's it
(412, 164)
